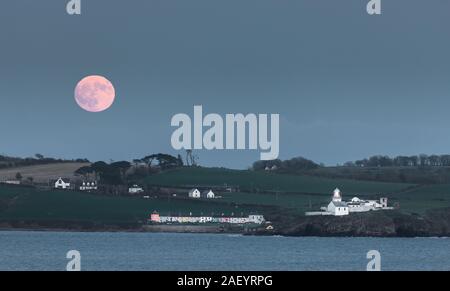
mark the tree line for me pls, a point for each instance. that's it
(124, 172)
(38, 159)
(292, 165)
(422, 160)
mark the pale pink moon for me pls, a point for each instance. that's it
(95, 93)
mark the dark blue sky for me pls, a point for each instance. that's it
(346, 84)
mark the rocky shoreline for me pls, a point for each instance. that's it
(435, 223)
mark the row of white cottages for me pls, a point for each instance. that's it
(256, 219)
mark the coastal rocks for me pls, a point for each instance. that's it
(439, 220)
(374, 224)
(354, 225)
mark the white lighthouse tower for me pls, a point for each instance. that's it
(337, 195)
(336, 206)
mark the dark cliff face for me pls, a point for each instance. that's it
(377, 224)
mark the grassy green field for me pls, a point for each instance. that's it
(294, 194)
(415, 175)
(422, 198)
(293, 203)
(18, 203)
(251, 181)
(417, 200)
(304, 193)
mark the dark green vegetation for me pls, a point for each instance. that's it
(293, 193)
(293, 165)
(416, 200)
(257, 181)
(290, 203)
(108, 174)
(418, 169)
(124, 172)
(282, 193)
(298, 194)
(415, 175)
(421, 160)
(38, 159)
(420, 199)
(300, 163)
(31, 205)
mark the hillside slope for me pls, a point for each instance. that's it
(253, 181)
(19, 203)
(42, 173)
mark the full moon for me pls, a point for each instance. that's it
(94, 93)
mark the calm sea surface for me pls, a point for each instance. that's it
(20, 250)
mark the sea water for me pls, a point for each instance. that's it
(30, 250)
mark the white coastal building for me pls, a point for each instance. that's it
(135, 189)
(359, 205)
(194, 193)
(61, 184)
(337, 207)
(208, 194)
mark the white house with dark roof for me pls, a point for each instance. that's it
(61, 184)
(194, 193)
(208, 194)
